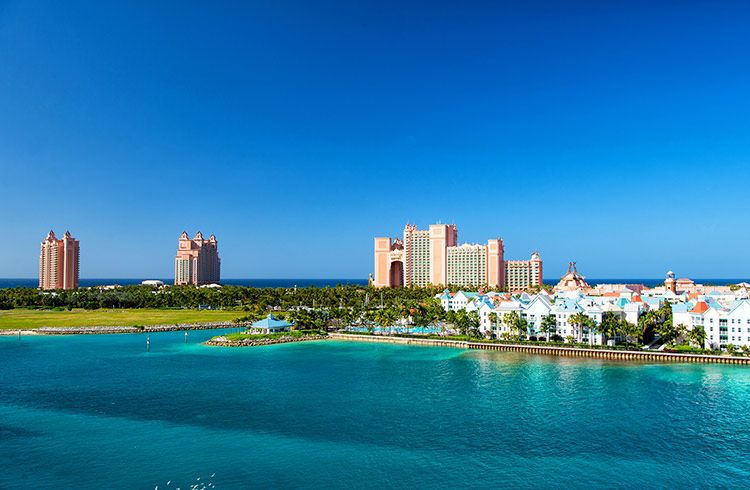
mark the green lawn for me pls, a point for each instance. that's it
(109, 318)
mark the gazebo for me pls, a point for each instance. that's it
(270, 324)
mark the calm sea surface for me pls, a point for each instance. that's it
(100, 412)
(256, 283)
(320, 283)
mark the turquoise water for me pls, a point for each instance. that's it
(101, 412)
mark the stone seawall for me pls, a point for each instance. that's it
(145, 329)
(619, 355)
(223, 342)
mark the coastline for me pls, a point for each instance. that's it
(615, 355)
(224, 342)
(113, 330)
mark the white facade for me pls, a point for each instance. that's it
(725, 317)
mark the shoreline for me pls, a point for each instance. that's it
(615, 355)
(102, 330)
(223, 342)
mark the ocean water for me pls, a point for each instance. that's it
(102, 412)
(256, 283)
(320, 283)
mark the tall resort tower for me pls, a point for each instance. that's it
(433, 256)
(58, 262)
(197, 261)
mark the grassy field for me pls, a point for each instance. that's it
(109, 318)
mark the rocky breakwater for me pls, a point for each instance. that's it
(136, 329)
(255, 342)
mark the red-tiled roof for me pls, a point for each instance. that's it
(700, 307)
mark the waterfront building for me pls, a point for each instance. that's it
(59, 262)
(536, 310)
(197, 261)
(722, 311)
(433, 256)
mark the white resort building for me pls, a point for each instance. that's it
(723, 311)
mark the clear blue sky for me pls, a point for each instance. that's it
(614, 135)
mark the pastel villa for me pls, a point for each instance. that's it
(723, 311)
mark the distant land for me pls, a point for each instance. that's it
(320, 283)
(256, 283)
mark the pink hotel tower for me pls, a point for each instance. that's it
(197, 261)
(433, 256)
(58, 262)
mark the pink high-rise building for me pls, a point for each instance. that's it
(520, 274)
(433, 256)
(58, 262)
(197, 261)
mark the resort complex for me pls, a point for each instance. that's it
(58, 262)
(197, 261)
(713, 317)
(433, 256)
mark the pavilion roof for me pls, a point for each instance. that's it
(271, 322)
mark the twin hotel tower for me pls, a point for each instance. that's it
(423, 257)
(197, 261)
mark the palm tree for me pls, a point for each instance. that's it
(404, 314)
(647, 322)
(698, 336)
(450, 317)
(668, 332)
(462, 322)
(593, 328)
(390, 315)
(472, 324)
(510, 320)
(578, 320)
(523, 328)
(549, 323)
(494, 320)
(610, 326)
(629, 329)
